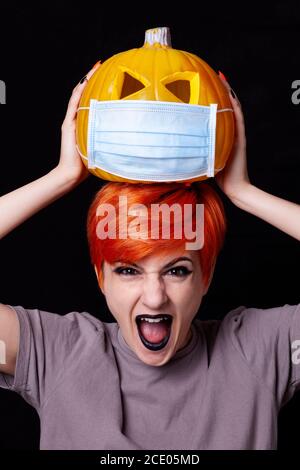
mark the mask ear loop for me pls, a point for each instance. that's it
(82, 156)
(224, 109)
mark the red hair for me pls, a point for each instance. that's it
(132, 250)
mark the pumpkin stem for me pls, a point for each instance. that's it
(158, 37)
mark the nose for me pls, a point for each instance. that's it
(154, 294)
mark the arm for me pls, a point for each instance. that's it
(283, 214)
(22, 203)
(234, 182)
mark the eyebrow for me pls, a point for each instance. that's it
(180, 258)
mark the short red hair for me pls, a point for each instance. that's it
(132, 250)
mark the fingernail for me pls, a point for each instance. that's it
(222, 76)
(83, 79)
(97, 63)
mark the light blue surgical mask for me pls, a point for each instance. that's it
(152, 140)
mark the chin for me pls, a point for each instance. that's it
(155, 361)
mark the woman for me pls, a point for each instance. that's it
(158, 378)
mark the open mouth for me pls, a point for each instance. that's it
(154, 330)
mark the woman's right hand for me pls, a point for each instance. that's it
(70, 165)
(233, 179)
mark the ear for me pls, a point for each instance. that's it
(210, 279)
(97, 275)
(96, 271)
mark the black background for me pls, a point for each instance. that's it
(45, 50)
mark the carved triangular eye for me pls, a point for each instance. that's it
(130, 85)
(184, 86)
(181, 89)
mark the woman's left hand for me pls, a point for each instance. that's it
(234, 182)
(233, 179)
(70, 164)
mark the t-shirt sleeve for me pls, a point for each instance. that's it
(48, 343)
(269, 340)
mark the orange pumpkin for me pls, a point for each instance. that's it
(156, 71)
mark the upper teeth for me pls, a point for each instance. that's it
(154, 320)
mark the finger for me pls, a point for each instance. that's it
(224, 80)
(93, 69)
(81, 85)
(73, 104)
(76, 95)
(233, 96)
(229, 88)
(240, 140)
(88, 75)
(239, 120)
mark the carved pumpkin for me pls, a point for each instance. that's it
(156, 71)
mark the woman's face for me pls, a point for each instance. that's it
(170, 287)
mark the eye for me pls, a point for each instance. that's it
(127, 83)
(181, 89)
(184, 86)
(126, 271)
(130, 85)
(180, 271)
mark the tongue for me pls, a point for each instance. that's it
(154, 332)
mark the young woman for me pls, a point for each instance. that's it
(157, 378)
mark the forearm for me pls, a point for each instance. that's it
(284, 215)
(20, 204)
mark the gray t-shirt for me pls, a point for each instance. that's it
(222, 391)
